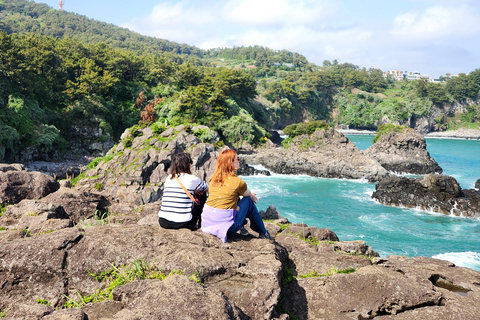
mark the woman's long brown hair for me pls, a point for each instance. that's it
(223, 168)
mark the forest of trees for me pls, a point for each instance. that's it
(59, 68)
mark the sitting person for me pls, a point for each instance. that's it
(225, 213)
(178, 210)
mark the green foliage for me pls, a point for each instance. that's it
(288, 276)
(387, 128)
(242, 128)
(283, 226)
(115, 277)
(2, 209)
(297, 129)
(3, 314)
(330, 272)
(94, 163)
(98, 186)
(204, 134)
(2, 229)
(197, 276)
(157, 127)
(43, 301)
(218, 144)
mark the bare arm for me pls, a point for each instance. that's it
(252, 195)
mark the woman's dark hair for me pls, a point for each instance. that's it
(180, 164)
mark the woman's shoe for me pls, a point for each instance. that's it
(244, 232)
(265, 236)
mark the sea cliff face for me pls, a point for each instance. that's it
(404, 152)
(326, 153)
(98, 247)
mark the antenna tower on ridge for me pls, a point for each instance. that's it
(60, 3)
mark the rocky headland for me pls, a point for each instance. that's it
(326, 153)
(433, 192)
(403, 151)
(96, 251)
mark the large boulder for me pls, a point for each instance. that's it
(404, 151)
(326, 153)
(18, 185)
(78, 205)
(133, 173)
(438, 193)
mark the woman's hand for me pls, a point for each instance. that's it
(252, 195)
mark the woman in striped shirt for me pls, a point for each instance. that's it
(177, 211)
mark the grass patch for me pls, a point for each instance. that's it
(288, 277)
(330, 272)
(101, 218)
(98, 186)
(2, 209)
(2, 228)
(3, 314)
(311, 240)
(283, 226)
(44, 232)
(43, 301)
(116, 277)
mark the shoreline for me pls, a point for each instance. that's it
(466, 134)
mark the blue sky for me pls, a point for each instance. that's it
(433, 37)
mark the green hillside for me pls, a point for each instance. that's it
(61, 70)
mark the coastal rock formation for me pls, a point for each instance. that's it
(433, 192)
(308, 276)
(56, 262)
(405, 152)
(326, 153)
(17, 185)
(246, 170)
(133, 173)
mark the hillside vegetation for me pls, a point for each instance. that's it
(60, 70)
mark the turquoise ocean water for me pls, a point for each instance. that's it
(346, 207)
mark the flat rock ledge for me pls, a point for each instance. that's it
(306, 273)
(433, 192)
(403, 152)
(326, 153)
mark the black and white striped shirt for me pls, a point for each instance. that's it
(176, 205)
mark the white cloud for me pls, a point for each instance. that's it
(437, 22)
(277, 12)
(423, 38)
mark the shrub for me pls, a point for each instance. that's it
(205, 134)
(158, 127)
(387, 128)
(242, 128)
(297, 129)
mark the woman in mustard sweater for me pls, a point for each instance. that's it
(224, 212)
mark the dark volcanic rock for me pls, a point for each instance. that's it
(246, 170)
(404, 151)
(77, 204)
(326, 153)
(439, 193)
(18, 185)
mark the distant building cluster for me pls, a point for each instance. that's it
(404, 75)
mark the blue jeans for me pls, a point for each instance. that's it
(248, 209)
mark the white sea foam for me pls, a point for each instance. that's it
(464, 259)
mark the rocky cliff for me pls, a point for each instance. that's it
(124, 266)
(433, 192)
(404, 151)
(326, 153)
(96, 251)
(133, 172)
